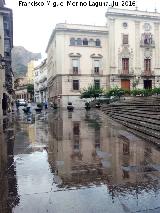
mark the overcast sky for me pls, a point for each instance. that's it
(33, 25)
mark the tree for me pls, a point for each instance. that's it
(30, 90)
(116, 91)
(91, 92)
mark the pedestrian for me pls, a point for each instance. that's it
(17, 104)
(46, 105)
(29, 107)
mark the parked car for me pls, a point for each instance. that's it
(22, 102)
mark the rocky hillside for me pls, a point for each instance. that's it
(20, 58)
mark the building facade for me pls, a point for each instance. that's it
(6, 44)
(21, 92)
(76, 58)
(30, 71)
(40, 83)
(134, 48)
(124, 53)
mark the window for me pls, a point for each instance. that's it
(96, 66)
(125, 174)
(147, 64)
(76, 128)
(98, 43)
(125, 39)
(97, 84)
(79, 41)
(125, 24)
(126, 148)
(125, 65)
(147, 38)
(72, 41)
(75, 65)
(75, 84)
(91, 42)
(6, 25)
(85, 41)
(7, 46)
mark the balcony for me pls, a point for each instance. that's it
(148, 73)
(125, 73)
(97, 71)
(75, 71)
(147, 44)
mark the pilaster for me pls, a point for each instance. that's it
(157, 45)
(112, 45)
(137, 47)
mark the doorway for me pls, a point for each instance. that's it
(147, 84)
(125, 84)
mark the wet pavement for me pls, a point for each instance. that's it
(73, 162)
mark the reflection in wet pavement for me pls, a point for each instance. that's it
(75, 162)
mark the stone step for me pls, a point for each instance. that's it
(140, 115)
(137, 126)
(143, 136)
(147, 114)
(145, 122)
(144, 115)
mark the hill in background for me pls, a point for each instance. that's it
(20, 59)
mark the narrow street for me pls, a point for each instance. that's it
(76, 162)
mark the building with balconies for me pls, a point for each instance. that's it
(125, 51)
(40, 83)
(134, 48)
(76, 58)
(21, 91)
(6, 44)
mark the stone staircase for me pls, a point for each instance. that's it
(141, 115)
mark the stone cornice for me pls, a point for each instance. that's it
(102, 32)
(65, 29)
(134, 14)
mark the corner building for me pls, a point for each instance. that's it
(125, 51)
(76, 58)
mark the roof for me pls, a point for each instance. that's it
(138, 14)
(76, 28)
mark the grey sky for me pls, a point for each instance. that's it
(33, 25)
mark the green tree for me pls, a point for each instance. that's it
(30, 89)
(91, 92)
(116, 91)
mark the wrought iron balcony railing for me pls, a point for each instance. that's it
(148, 73)
(126, 73)
(147, 45)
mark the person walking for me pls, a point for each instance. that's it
(46, 105)
(29, 107)
(17, 105)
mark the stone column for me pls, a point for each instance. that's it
(157, 45)
(112, 44)
(137, 48)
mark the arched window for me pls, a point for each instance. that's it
(85, 42)
(98, 43)
(91, 42)
(79, 41)
(72, 41)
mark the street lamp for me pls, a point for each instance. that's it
(2, 62)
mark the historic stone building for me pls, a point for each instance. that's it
(133, 48)
(76, 58)
(30, 71)
(6, 44)
(40, 83)
(124, 53)
(20, 86)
